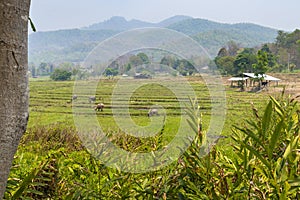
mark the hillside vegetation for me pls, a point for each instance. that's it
(283, 55)
(73, 45)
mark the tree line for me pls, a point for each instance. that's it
(125, 64)
(140, 64)
(281, 56)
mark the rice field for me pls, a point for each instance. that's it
(50, 102)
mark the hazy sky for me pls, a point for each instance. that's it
(62, 14)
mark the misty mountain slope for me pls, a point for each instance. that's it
(65, 45)
(213, 40)
(119, 24)
(173, 20)
(194, 26)
(73, 45)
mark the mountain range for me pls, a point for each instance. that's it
(73, 45)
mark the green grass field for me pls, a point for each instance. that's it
(50, 102)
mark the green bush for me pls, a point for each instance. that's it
(268, 150)
(264, 163)
(61, 75)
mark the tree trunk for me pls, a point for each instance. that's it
(13, 81)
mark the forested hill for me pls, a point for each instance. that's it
(74, 44)
(64, 45)
(121, 24)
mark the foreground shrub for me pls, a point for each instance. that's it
(268, 149)
(259, 161)
(264, 163)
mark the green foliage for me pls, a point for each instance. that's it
(144, 58)
(268, 150)
(259, 161)
(61, 75)
(110, 72)
(264, 165)
(225, 64)
(279, 56)
(125, 63)
(135, 60)
(37, 184)
(272, 60)
(183, 66)
(43, 69)
(262, 64)
(287, 47)
(247, 37)
(246, 60)
(128, 67)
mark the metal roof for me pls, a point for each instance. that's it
(264, 76)
(238, 78)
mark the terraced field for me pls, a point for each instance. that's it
(50, 102)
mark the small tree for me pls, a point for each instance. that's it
(110, 72)
(144, 58)
(262, 63)
(244, 61)
(128, 67)
(61, 75)
(135, 61)
(262, 66)
(44, 69)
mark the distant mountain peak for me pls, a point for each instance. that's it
(119, 23)
(116, 19)
(174, 19)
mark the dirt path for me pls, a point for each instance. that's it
(291, 82)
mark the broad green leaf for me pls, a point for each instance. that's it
(278, 107)
(295, 182)
(266, 119)
(274, 138)
(290, 147)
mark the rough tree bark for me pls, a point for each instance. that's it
(13, 81)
